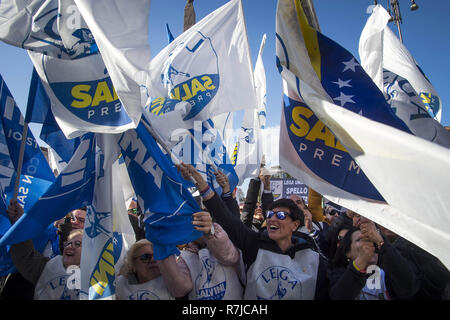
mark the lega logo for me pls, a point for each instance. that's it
(211, 282)
(191, 73)
(57, 289)
(78, 41)
(143, 295)
(277, 283)
(431, 102)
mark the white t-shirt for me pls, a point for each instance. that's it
(154, 289)
(52, 284)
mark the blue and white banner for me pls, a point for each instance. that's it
(122, 36)
(380, 49)
(410, 94)
(409, 107)
(204, 149)
(208, 66)
(339, 78)
(165, 201)
(36, 175)
(53, 27)
(107, 232)
(392, 159)
(39, 110)
(193, 142)
(35, 178)
(72, 189)
(82, 95)
(66, 57)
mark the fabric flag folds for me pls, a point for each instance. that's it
(36, 174)
(35, 177)
(165, 201)
(198, 143)
(107, 233)
(250, 145)
(121, 33)
(39, 106)
(72, 189)
(51, 27)
(402, 168)
(380, 49)
(67, 60)
(208, 66)
(395, 72)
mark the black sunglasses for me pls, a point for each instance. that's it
(281, 215)
(146, 257)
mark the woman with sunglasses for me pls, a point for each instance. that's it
(278, 265)
(143, 278)
(49, 276)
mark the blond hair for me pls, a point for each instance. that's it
(75, 233)
(128, 264)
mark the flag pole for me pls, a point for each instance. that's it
(20, 160)
(31, 95)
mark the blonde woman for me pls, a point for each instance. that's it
(143, 278)
(50, 276)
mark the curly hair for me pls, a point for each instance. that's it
(128, 265)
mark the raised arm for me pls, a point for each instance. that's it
(29, 262)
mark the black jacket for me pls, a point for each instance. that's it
(400, 277)
(250, 242)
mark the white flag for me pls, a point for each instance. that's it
(250, 144)
(406, 170)
(51, 27)
(65, 55)
(120, 29)
(380, 49)
(208, 66)
(82, 95)
(107, 232)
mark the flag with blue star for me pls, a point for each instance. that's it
(312, 150)
(336, 126)
(349, 86)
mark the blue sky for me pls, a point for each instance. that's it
(424, 34)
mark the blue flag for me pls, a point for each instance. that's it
(341, 79)
(71, 190)
(167, 204)
(204, 149)
(39, 111)
(170, 37)
(36, 175)
(197, 143)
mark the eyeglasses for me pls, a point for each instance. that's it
(146, 257)
(281, 215)
(75, 244)
(74, 218)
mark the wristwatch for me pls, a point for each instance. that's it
(211, 231)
